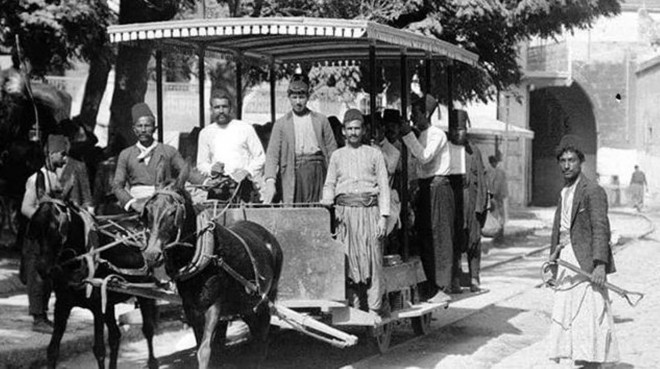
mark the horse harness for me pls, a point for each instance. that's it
(205, 253)
(91, 256)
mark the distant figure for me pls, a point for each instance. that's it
(616, 185)
(497, 185)
(637, 186)
(582, 324)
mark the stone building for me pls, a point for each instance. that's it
(600, 83)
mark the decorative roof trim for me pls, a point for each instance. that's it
(209, 30)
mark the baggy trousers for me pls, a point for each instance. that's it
(435, 223)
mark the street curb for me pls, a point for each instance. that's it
(35, 357)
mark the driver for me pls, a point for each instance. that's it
(137, 167)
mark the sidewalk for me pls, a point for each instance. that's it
(527, 232)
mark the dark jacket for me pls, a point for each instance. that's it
(475, 195)
(280, 155)
(590, 227)
(75, 183)
(130, 171)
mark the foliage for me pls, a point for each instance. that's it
(491, 28)
(52, 32)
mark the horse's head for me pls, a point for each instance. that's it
(167, 216)
(50, 227)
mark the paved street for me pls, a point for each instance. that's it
(503, 328)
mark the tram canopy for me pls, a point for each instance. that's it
(291, 39)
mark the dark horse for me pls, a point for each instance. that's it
(60, 231)
(232, 272)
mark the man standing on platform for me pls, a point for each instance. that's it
(582, 327)
(137, 166)
(358, 186)
(470, 210)
(229, 151)
(299, 150)
(435, 210)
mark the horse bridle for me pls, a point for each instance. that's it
(179, 216)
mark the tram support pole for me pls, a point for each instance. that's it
(372, 85)
(273, 101)
(239, 87)
(403, 186)
(427, 73)
(201, 77)
(451, 117)
(159, 94)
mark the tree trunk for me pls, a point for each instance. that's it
(131, 69)
(97, 80)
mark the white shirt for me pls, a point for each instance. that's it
(431, 151)
(456, 158)
(567, 194)
(236, 145)
(304, 135)
(52, 183)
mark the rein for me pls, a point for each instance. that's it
(193, 267)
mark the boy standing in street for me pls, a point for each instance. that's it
(582, 327)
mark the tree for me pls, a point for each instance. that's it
(131, 68)
(491, 28)
(53, 33)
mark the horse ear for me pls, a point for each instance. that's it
(184, 173)
(161, 176)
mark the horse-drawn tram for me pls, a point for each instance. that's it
(311, 293)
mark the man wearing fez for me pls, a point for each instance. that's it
(57, 178)
(435, 209)
(357, 185)
(137, 166)
(471, 202)
(230, 152)
(299, 149)
(582, 327)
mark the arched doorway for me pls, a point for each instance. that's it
(556, 111)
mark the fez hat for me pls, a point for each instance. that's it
(569, 142)
(391, 115)
(299, 84)
(428, 102)
(57, 143)
(461, 118)
(140, 110)
(353, 114)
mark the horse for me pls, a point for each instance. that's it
(60, 230)
(233, 274)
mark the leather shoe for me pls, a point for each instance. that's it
(475, 287)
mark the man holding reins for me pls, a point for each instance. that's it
(138, 165)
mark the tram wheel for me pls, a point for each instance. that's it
(381, 337)
(421, 325)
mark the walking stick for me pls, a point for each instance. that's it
(632, 297)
